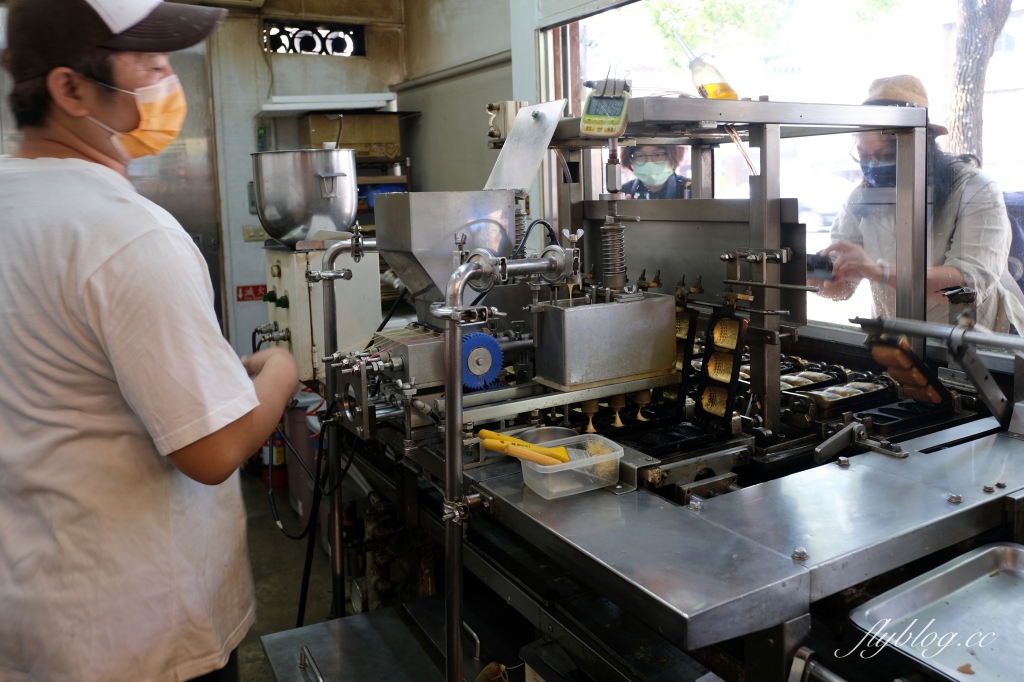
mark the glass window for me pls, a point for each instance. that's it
(810, 51)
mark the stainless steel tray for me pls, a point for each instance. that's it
(963, 620)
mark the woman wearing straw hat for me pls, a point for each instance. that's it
(968, 228)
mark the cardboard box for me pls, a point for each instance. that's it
(374, 137)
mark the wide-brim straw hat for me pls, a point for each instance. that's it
(902, 91)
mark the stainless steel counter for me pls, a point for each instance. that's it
(370, 646)
(694, 582)
(853, 522)
(701, 577)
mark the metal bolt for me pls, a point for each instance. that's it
(536, 114)
(885, 444)
(800, 554)
(954, 498)
(696, 505)
(843, 461)
(649, 459)
(1000, 484)
(618, 486)
(551, 628)
(988, 489)
(359, 430)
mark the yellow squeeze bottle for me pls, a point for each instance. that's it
(706, 78)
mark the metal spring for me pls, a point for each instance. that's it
(613, 255)
(520, 224)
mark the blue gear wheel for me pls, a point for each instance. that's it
(473, 378)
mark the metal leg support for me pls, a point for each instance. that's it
(454, 504)
(769, 653)
(766, 232)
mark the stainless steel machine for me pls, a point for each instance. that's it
(750, 516)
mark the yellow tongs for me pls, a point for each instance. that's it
(499, 442)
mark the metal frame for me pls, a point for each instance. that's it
(702, 123)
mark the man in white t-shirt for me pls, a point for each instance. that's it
(124, 413)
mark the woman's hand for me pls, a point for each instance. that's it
(853, 263)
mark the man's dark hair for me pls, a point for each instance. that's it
(30, 100)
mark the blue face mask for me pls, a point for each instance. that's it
(879, 173)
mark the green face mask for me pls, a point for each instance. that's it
(653, 173)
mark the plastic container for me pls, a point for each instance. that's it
(708, 80)
(578, 476)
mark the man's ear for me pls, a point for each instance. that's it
(67, 91)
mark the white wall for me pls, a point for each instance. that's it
(241, 79)
(441, 34)
(447, 141)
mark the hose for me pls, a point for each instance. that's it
(314, 512)
(552, 235)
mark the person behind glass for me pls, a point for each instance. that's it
(968, 227)
(655, 169)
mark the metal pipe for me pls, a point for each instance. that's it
(513, 346)
(940, 331)
(454, 503)
(816, 671)
(306, 658)
(476, 640)
(531, 266)
(333, 450)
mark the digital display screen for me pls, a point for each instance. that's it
(605, 106)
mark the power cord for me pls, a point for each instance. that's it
(387, 318)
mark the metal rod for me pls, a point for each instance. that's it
(768, 285)
(454, 502)
(517, 345)
(333, 446)
(940, 331)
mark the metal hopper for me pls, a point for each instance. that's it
(416, 234)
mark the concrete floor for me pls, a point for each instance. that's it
(277, 571)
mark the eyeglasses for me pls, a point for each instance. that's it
(644, 158)
(883, 155)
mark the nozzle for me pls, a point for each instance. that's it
(686, 48)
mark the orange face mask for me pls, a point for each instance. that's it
(162, 112)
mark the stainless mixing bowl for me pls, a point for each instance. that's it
(302, 192)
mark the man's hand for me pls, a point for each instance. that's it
(212, 459)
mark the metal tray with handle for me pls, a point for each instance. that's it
(963, 620)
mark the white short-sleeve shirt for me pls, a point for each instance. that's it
(114, 566)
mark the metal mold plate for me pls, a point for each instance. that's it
(854, 522)
(973, 605)
(694, 582)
